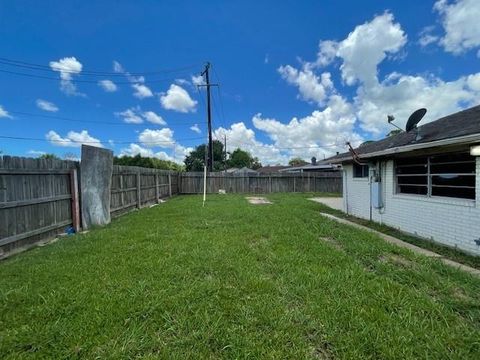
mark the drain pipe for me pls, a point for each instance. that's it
(345, 189)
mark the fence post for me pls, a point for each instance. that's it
(139, 193)
(169, 184)
(294, 182)
(270, 183)
(75, 204)
(157, 194)
(122, 194)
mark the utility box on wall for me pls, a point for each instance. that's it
(376, 194)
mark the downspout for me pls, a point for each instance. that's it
(345, 189)
(370, 187)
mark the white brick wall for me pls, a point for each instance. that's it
(449, 221)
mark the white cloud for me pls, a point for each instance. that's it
(135, 149)
(367, 46)
(196, 129)
(134, 115)
(117, 67)
(46, 105)
(67, 67)
(311, 87)
(177, 98)
(36, 152)
(408, 93)
(157, 138)
(4, 113)
(197, 80)
(360, 54)
(182, 82)
(131, 116)
(322, 132)
(460, 23)
(266, 59)
(73, 139)
(327, 50)
(142, 91)
(239, 136)
(107, 85)
(473, 82)
(426, 37)
(154, 118)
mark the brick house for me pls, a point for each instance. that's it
(425, 181)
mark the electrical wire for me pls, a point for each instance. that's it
(62, 118)
(86, 81)
(151, 143)
(33, 66)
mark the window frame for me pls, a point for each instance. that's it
(430, 185)
(365, 171)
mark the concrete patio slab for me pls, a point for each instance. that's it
(333, 202)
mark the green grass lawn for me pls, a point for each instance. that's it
(236, 281)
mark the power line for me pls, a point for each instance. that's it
(68, 141)
(33, 66)
(116, 123)
(85, 81)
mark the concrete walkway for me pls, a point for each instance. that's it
(333, 202)
(403, 244)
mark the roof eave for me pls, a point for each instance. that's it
(467, 139)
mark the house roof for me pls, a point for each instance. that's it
(241, 170)
(458, 125)
(272, 169)
(310, 167)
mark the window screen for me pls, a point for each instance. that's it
(360, 171)
(451, 175)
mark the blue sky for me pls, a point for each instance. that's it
(296, 78)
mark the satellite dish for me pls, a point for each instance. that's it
(415, 118)
(390, 118)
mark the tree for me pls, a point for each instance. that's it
(49, 156)
(394, 132)
(195, 161)
(297, 162)
(240, 158)
(147, 162)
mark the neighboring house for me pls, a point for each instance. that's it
(242, 171)
(425, 182)
(272, 169)
(314, 166)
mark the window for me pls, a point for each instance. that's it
(360, 171)
(450, 175)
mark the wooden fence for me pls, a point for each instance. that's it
(39, 197)
(192, 183)
(136, 187)
(37, 200)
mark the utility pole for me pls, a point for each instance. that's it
(206, 74)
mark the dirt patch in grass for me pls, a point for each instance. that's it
(332, 242)
(256, 200)
(397, 260)
(323, 352)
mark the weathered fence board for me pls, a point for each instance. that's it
(35, 199)
(192, 183)
(136, 187)
(39, 198)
